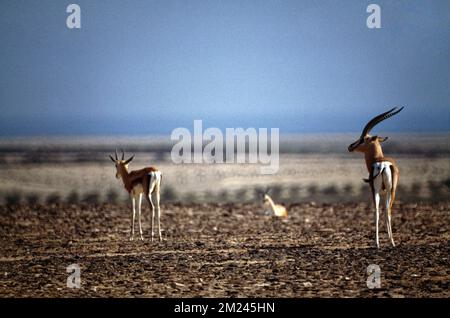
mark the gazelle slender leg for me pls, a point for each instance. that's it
(394, 173)
(386, 209)
(389, 182)
(388, 218)
(390, 227)
(139, 215)
(377, 216)
(153, 213)
(158, 212)
(133, 215)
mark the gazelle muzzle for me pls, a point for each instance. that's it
(353, 146)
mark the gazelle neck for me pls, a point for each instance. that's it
(272, 204)
(373, 153)
(125, 177)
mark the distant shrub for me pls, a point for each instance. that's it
(112, 196)
(437, 191)
(348, 189)
(312, 189)
(364, 192)
(73, 197)
(32, 198)
(168, 194)
(257, 193)
(330, 190)
(223, 196)
(209, 197)
(91, 198)
(402, 192)
(241, 195)
(294, 193)
(433, 187)
(191, 197)
(415, 190)
(275, 192)
(53, 198)
(13, 198)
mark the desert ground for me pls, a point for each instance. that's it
(224, 250)
(60, 204)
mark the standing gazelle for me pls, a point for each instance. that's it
(383, 171)
(145, 181)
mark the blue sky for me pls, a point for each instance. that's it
(143, 67)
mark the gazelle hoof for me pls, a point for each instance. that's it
(131, 238)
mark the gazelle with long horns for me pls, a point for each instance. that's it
(146, 181)
(383, 171)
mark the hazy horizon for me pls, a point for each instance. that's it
(148, 67)
(162, 137)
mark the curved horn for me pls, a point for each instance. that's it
(129, 160)
(116, 154)
(377, 119)
(123, 154)
(112, 158)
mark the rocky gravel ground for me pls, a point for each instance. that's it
(224, 250)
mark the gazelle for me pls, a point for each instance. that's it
(277, 209)
(137, 183)
(383, 171)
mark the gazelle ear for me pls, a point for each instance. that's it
(129, 160)
(112, 159)
(382, 139)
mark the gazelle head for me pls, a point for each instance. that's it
(122, 164)
(367, 142)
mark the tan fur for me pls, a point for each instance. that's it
(135, 177)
